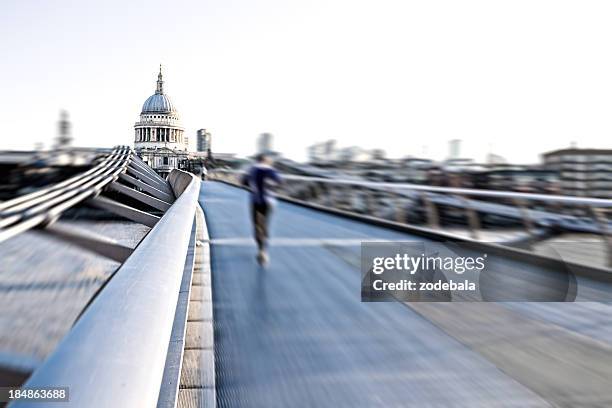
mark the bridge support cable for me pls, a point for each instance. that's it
(155, 192)
(142, 197)
(47, 204)
(146, 168)
(44, 206)
(116, 352)
(4, 206)
(162, 186)
(28, 201)
(21, 227)
(125, 211)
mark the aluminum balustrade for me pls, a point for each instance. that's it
(115, 354)
(100, 186)
(500, 203)
(123, 335)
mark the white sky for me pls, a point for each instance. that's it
(513, 77)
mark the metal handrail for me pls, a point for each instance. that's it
(588, 201)
(114, 356)
(434, 196)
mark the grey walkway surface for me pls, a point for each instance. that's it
(296, 334)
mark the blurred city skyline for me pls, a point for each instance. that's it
(406, 77)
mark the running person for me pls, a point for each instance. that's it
(261, 201)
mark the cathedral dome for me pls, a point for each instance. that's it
(158, 102)
(159, 125)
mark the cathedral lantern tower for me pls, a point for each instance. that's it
(159, 124)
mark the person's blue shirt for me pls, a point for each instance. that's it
(256, 179)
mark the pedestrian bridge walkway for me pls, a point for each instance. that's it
(296, 334)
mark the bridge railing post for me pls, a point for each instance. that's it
(472, 217)
(400, 212)
(601, 218)
(433, 217)
(525, 217)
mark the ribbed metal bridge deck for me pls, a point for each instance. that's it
(296, 333)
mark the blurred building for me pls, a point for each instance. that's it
(322, 152)
(204, 140)
(378, 154)
(513, 177)
(159, 138)
(493, 158)
(454, 149)
(355, 154)
(495, 176)
(461, 165)
(582, 172)
(264, 143)
(64, 138)
(328, 153)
